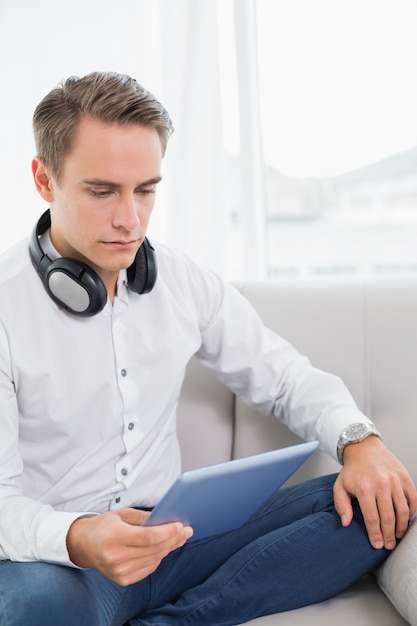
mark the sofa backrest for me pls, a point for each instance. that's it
(362, 329)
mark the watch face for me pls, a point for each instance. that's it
(356, 431)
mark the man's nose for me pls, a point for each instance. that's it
(126, 214)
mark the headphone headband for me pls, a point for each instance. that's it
(75, 285)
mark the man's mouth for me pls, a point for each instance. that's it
(121, 244)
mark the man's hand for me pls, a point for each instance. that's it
(117, 545)
(383, 488)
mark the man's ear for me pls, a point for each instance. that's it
(43, 180)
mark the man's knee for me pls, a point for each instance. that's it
(42, 593)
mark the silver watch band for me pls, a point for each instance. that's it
(355, 433)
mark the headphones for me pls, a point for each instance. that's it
(76, 286)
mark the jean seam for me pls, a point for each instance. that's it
(3, 615)
(116, 613)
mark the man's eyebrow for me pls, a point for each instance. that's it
(151, 181)
(99, 182)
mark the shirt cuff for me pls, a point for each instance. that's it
(334, 426)
(51, 537)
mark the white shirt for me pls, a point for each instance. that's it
(88, 405)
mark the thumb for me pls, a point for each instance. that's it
(342, 503)
(134, 517)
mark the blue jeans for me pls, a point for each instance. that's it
(292, 552)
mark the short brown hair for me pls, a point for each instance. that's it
(106, 96)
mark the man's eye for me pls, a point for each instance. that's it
(146, 190)
(97, 193)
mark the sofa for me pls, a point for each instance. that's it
(364, 329)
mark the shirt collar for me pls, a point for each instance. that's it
(122, 288)
(48, 247)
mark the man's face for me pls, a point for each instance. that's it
(101, 206)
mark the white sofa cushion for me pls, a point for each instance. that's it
(364, 330)
(397, 577)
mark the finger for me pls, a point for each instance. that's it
(133, 570)
(343, 503)
(403, 513)
(394, 512)
(164, 536)
(157, 534)
(150, 540)
(169, 534)
(139, 561)
(387, 519)
(411, 496)
(368, 505)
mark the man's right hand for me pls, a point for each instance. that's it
(119, 547)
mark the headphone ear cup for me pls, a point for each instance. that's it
(142, 274)
(72, 284)
(75, 286)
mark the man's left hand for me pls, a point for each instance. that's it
(384, 490)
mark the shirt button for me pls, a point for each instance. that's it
(117, 500)
(124, 472)
(131, 426)
(123, 372)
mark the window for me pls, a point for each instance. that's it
(337, 133)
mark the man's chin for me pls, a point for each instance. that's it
(119, 262)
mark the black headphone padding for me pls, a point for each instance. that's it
(75, 285)
(141, 275)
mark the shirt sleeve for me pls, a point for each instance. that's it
(270, 375)
(42, 530)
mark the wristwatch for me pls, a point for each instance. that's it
(354, 434)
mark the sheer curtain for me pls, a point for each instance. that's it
(196, 201)
(172, 47)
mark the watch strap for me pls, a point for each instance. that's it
(355, 433)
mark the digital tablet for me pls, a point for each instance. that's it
(222, 497)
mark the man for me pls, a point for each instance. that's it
(96, 328)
